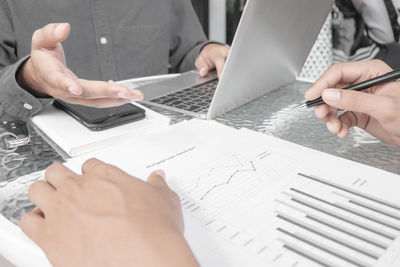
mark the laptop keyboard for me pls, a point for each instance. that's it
(194, 99)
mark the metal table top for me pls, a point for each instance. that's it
(271, 114)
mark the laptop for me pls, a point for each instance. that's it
(272, 42)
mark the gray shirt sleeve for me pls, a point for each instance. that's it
(187, 38)
(376, 17)
(14, 100)
(105, 52)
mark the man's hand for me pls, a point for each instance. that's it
(105, 217)
(46, 74)
(212, 56)
(375, 110)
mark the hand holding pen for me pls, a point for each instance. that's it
(376, 109)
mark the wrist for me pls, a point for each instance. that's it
(26, 79)
(211, 44)
(167, 248)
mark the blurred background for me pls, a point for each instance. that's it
(220, 19)
(224, 15)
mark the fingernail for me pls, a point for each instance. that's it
(59, 29)
(203, 71)
(331, 94)
(124, 95)
(160, 173)
(130, 96)
(136, 97)
(74, 91)
(330, 126)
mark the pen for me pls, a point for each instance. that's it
(388, 77)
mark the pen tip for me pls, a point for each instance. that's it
(300, 106)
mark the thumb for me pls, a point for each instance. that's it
(157, 178)
(50, 35)
(371, 104)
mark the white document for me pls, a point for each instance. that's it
(76, 139)
(254, 200)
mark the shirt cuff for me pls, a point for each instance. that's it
(188, 63)
(211, 42)
(14, 100)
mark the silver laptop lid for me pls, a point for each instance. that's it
(271, 44)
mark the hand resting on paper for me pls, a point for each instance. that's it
(106, 217)
(45, 74)
(375, 110)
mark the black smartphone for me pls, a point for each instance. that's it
(97, 119)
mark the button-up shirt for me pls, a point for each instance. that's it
(109, 40)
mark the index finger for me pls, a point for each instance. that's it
(57, 173)
(338, 73)
(98, 89)
(42, 194)
(90, 165)
(96, 166)
(100, 169)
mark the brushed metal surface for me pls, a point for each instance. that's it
(270, 114)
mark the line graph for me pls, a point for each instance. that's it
(235, 157)
(227, 177)
(236, 164)
(253, 169)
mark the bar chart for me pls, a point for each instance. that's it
(264, 204)
(346, 228)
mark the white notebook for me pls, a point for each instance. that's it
(253, 200)
(75, 139)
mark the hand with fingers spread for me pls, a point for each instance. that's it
(106, 217)
(375, 110)
(45, 74)
(212, 56)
